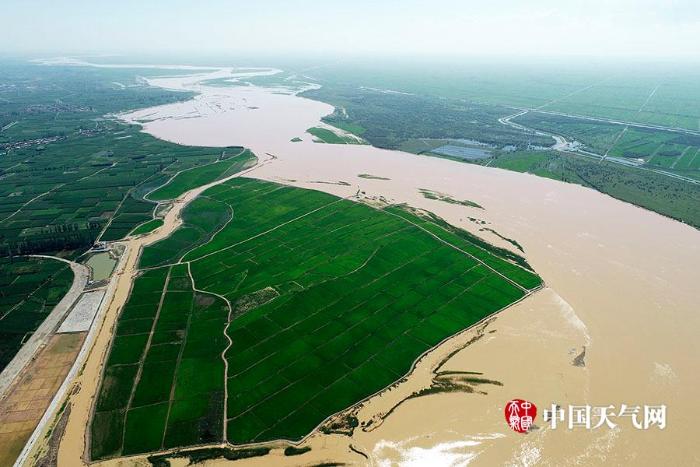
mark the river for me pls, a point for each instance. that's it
(621, 282)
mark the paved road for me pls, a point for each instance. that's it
(45, 330)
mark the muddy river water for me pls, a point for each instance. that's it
(616, 324)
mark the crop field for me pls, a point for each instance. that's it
(601, 90)
(164, 379)
(325, 135)
(68, 175)
(325, 301)
(29, 289)
(147, 227)
(198, 176)
(671, 151)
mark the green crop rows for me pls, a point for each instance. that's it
(29, 289)
(164, 380)
(68, 175)
(327, 301)
(199, 176)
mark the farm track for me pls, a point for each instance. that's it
(90, 363)
(562, 145)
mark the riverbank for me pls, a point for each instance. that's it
(620, 282)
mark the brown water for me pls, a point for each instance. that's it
(621, 281)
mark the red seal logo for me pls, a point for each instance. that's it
(520, 415)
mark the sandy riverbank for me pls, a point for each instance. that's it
(621, 281)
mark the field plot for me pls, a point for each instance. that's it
(324, 135)
(68, 175)
(324, 301)
(29, 289)
(33, 391)
(198, 176)
(164, 380)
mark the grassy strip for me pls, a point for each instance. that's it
(448, 199)
(327, 136)
(29, 290)
(198, 176)
(198, 456)
(147, 227)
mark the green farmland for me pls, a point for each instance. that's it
(147, 227)
(323, 301)
(29, 289)
(70, 175)
(199, 176)
(325, 135)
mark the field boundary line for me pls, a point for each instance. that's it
(223, 353)
(459, 249)
(142, 361)
(276, 442)
(41, 335)
(272, 229)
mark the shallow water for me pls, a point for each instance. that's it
(102, 265)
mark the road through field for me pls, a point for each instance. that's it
(561, 144)
(72, 449)
(616, 324)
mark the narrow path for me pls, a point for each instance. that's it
(564, 146)
(223, 353)
(86, 371)
(41, 195)
(624, 130)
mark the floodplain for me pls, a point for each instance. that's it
(296, 305)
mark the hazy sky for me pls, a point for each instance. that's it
(637, 28)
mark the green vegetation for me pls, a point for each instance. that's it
(164, 379)
(67, 174)
(324, 135)
(201, 220)
(295, 451)
(665, 195)
(448, 199)
(372, 177)
(198, 176)
(401, 106)
(325, 301)
(668, 150)
(147, 227)
(402, 121)
(29, 290)
(597, 89)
